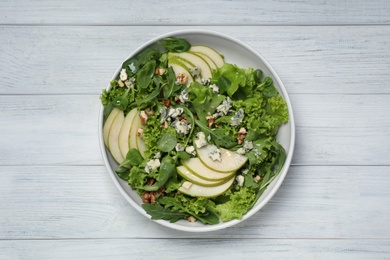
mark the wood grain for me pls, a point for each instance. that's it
(314, 202)
(195, 12)
(205, 248)
(82, 60)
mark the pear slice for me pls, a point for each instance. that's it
(125, 132)
(196, 190)
(229, 161)
(209, 61)
(213, 54)
(196, 60)
(113, 137)
(141, 144)
(190, 176)
(133, 132)
(180, 68)
(107, 125)
(196, 166)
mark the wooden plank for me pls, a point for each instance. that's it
(314, 202)
(57, 60)
(63, 129)
(195, 249)
(194, 13)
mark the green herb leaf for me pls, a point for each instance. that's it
(156, 211)
(167, 169)
(175, 44)
(167, 142)
(121, 102)
(169, 88)
(145, 74)
(217, 135)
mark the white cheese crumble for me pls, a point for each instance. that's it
(195, 71)
(215, 155)
(200, 140)
(186, 185)
(240, 180)
(130, 82)
(245, 171)
(157, 155)
(183, 97)
(248, 145)
(223, 108)
(190, 150)
(181, 127)
(237, 118)
(205, 81)
(214, 88)
(241, 151)
(152, 165)
(175, 112)
(179, 147)
(123, 75)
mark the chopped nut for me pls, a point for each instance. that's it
(143, 116)
(149, 112)
(140, 131)
(182, 119)
(241, 135)
(210, 120)
(257, 179)
(177, 99)
(166, 102)
(159, 71)
(120, 83)
(181, 78)
(164, 125)
(191, 219)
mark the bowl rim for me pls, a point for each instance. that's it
(277, 182)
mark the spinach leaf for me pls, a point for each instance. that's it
(169, 88)
(122, 172)
(145, 74)
(133, 158)
(156, 211)
(217, 135)
(167, 169)
(258, 76)
(167, 142)
(175, 44)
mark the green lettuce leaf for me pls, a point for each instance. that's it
(238, 204)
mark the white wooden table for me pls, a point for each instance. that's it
(57, 200)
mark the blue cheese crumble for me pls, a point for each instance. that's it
(181, 127)
(248, 146)
(179, 147)
(200, 140)
(195, 71)
(237, 118)
(152, 165)
(240, 180)
(215, 155)
(183, 97)
(224, 108)
(190, 150)
(214, 88)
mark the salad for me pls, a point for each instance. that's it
(193, 135)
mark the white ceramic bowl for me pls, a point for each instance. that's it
(235, 52)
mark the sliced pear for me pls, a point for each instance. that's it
(196, 190)
(180, 68)
(190, 176)
(107, 125)
(198, 168)
(230, 160)
(113, 137)
(213, 54)
(125, 132)
(133, 132)
(196, 60)
(209, 61)
(141, 144)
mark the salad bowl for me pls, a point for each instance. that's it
(235, 52)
